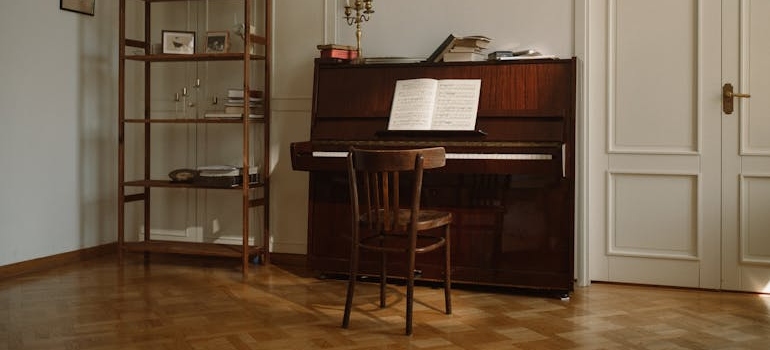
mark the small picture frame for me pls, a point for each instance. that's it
(85, 7)
(178, 42)
(218, 41)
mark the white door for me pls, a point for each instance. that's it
(679, 189)
(746, 147)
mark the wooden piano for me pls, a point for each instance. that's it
(510, 184)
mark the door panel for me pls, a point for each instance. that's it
(661, 211)
(652, 92)
(746, 148)
(755, 70)
(655, 216)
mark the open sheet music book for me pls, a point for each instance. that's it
(435, 104)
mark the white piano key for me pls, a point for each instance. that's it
(324, 154)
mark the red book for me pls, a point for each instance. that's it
(339, 53)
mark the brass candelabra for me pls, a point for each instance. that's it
(363, 13)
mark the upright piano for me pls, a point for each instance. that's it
(510, 184)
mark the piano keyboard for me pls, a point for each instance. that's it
(480, 156)
(497, 156)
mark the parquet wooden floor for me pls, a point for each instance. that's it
(205, 303)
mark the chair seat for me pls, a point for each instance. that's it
(395, 241)
(426, 220)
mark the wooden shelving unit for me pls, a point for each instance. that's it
(254, 197)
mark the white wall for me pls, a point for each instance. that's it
(58, 73)
(407, 28)
(415, 28)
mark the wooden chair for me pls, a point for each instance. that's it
(380, 223)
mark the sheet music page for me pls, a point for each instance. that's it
(457, 102)
(413, 104)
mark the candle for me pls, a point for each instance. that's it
(347, 3)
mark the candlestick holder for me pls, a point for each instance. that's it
(364, 11)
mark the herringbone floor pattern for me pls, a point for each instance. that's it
(204, 303)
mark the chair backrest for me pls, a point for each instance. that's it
(374, 177)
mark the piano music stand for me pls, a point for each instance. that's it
(431, 133)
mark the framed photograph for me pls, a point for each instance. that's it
(218, 42)
(178, 42)
(85, 7)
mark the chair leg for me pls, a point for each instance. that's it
(351, 286)
(410, 284)
(383, 277)
(409, 301)
(447, 273)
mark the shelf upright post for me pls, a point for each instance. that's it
(245, 129)
(266, 132)
(121, 126)
(147, 126)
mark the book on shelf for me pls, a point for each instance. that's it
(466, 49)
(435, 104)
(464, 56)
(253, 102)
(225, 115)
(478, 41)
(475, 42)
(238, 94)
(235, 103)
(442, 48)
(337, 51)
(335, 46)
(239, 109)
(340, 54)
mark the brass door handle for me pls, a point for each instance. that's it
(727, 98)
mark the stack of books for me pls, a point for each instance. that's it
(235, 102)
(458, 49)
(235, 105)
(336, 52)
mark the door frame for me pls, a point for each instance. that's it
(582, 150)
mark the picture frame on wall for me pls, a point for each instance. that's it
(85, 7)
(178, 42)
(218, 41)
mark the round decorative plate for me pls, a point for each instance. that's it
(182, 175)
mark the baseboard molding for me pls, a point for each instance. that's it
(57, 260)
(49, 262)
